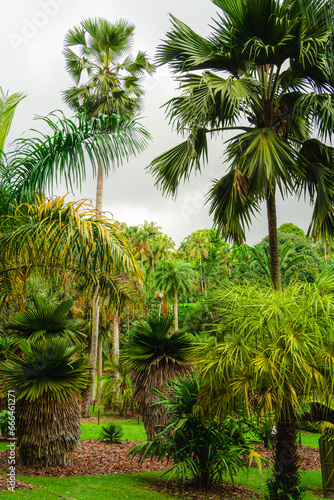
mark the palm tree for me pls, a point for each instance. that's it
(114, 77)
(113, 88)
(42, 161)
(275, 351)
(46, 321)
(173, 278)
(47, 379)
(155, 356)
(265, 71)
(8, 104)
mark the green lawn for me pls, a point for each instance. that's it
(133, 486)
(132, 431)
(113, 487)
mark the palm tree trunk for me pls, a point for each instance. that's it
(92, 356)
(115, 355)
(99, 187)
(99, 371)
(275, 273)
(285, 483)
(176, 313)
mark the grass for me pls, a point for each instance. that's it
(115, 487)
(310, 480)
(134, 486)
(310, 439)
(132, 431)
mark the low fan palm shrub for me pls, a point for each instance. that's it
(112, 433)
(155, 355)
(47, 378)
(46, 320)
(199, 448)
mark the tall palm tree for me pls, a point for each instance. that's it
(113, 88)
(275, 351)
(155, 356)
(265, 71)
(173, 278)
(47, 379)
(114, 77)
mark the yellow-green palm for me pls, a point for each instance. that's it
(70, 237)
(8, 103)
(274, 352)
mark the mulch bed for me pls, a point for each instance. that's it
(95, 457)
(90, 458)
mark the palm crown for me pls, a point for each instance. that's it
(113, 84)
(267, 64)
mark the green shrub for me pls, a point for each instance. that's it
(112, 433)
(199, 448)
(4, 423)
(310, 426)
(125, 399)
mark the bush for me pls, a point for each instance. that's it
(4, 423)
(310, 426)
(204, 450)
(112, 433)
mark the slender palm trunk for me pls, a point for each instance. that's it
(99, 371)
(176, 313)
(115, 354)
(275, 273)
(92, 356)
(285, 483)
(95, 307)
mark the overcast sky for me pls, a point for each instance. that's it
(32, 36)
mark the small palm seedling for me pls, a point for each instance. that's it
(112, 433)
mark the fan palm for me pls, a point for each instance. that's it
(113, 86)
(155, 356)
(46, 321)
(275, 351)
(173, 278)
(269, 64)
(47, 379)
(114, 76)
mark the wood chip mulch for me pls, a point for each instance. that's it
(309, 458)
(90, 458)
(225, 491)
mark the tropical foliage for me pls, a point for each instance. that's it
(274, 352)
(268, 74)
(199, 447)
(154, 356)
(47, 379)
